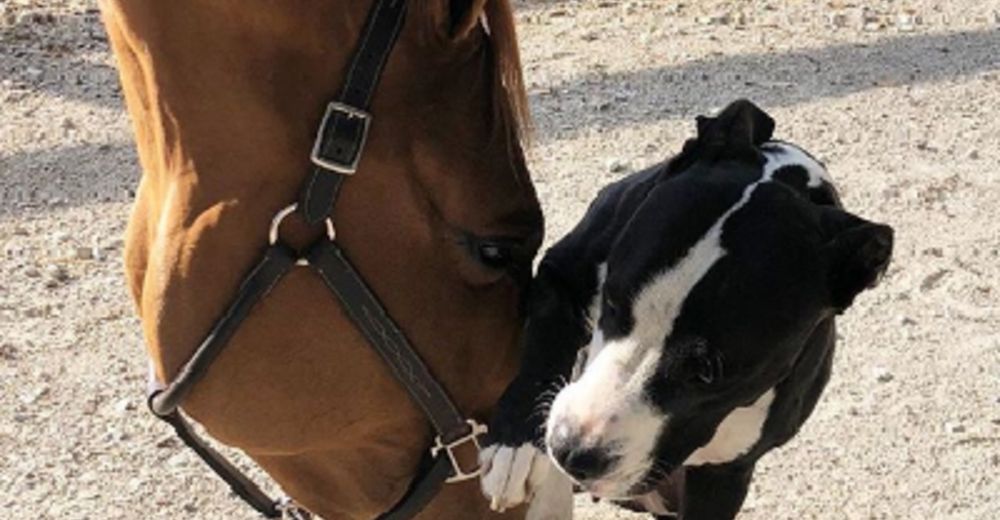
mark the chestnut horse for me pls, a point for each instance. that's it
(441, 220)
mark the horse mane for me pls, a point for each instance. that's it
(500, 20)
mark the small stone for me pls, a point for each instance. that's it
(83, 253)
(167, 441)
(906, 321)
(124, 406)
(32, 272)
(35, 312)
(717, 19)
(179, 460)
(972, 155)
(36, 394)
(68, 124)
(954, 427)
(933, 280)
(839, 20)
(33, 71)
(616, 166)
(882, 375)
(20, 232)
(8, 352)
(55, 275)
(873, 26)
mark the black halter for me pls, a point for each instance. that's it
(338, 149)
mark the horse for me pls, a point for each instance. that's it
(441, 220)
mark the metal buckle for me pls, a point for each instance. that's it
(475, 430)
(332, 164)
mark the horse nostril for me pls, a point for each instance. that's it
(584, 463)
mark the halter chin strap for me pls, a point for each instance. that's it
(335, 155)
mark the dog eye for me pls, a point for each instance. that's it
(705, 365)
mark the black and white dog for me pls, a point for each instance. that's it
(692, 314)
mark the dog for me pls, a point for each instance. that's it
(695, 303)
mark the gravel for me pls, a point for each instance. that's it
(898, 98)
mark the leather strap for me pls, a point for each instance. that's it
(431, 475)
(238, 482)
(341, 137)
(328, 261)
(163, 400)
(277, 261)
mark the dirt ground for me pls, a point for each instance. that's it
(900, 98)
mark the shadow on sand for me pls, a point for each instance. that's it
(614, 100)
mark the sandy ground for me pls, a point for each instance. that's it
(900, 98)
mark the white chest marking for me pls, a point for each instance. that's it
(736, 434)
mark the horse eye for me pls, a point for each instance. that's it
(494, 256)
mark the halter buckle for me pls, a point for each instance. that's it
(341, 138)
(460, 475)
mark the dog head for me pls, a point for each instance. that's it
(707, 299)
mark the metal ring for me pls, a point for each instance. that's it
(272, 236)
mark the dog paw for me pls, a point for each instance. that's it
(512, 474)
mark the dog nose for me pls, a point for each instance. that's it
(584, 464)
(581, 463)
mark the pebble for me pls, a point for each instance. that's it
(954, 427)
(839, 20)
(882, 375)
(972, 155)
(35, 395)
(616, 166)
(55, 275)
(932, 280)
(123, 406)
(718, 19)
(83, 253)
(8, 352)
(32, 272)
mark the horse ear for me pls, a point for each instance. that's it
(740, 126)
(858, 253)
(464, 15)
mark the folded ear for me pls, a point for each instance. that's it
(740, 126)
(858, 253)
(464, 15)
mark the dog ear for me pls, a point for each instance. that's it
(858, 253)
(739, 127)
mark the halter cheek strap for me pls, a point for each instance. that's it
(336, 154)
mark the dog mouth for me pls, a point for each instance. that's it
(661, 494)
(623, 488)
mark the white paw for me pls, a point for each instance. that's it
(512, 475)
